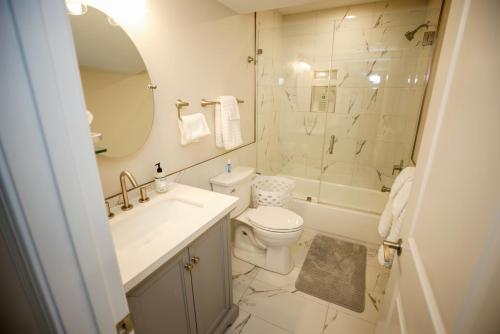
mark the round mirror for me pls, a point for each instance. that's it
(115, 82)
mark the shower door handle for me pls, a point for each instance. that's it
(332, 144)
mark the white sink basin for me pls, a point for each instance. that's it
(151, 233)
(159, 218)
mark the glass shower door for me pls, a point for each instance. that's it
(293, 96)
(382, 71)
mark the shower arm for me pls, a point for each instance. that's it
(411, 34)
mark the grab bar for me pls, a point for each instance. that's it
(205, 102)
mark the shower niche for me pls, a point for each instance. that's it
(323, 91)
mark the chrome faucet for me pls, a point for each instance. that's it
(126, 205)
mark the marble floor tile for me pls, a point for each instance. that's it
(371, 257)
(300, 249)
(285, 282)
(283, 308)
(240, 266)
(243, 275)
(341, 323)
(376, 279)
(270, 299)
(247, 323)
(371, 312)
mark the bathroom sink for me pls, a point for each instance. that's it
(158, 218)
(151, 233)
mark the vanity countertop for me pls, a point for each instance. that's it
(150, 234)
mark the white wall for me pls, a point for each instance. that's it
(200, 175)
(193, 50)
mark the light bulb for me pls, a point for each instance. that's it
(75, 8)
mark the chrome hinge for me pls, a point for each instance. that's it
(125, 326)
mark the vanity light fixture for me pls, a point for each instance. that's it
(76, 7)
(350, 16)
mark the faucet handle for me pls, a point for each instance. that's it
(144, 194)
(108, 210)
(399, 167)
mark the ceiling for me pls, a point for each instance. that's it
(287, 6)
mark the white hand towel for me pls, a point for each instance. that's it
(405, 175)
(193, 128)
(227, 123)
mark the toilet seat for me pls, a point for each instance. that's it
(275, 219)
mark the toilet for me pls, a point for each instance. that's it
(264, 234)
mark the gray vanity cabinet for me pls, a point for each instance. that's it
(163, 303)
(211, 277)
(192, 293)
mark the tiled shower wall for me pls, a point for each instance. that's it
(377, 89)
(268, 92)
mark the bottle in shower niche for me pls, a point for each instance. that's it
(161, 184)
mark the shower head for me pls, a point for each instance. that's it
(411, 34)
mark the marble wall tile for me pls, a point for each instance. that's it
(365, 176)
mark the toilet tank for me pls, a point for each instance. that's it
(237, 183)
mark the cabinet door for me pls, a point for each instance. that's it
(210, 276)
(164, 302)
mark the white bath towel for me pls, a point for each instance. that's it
(392, 206)
(227, 123)
(405, 175)
(399, 202)
(394, 237)
(385, 222)
(193, 128)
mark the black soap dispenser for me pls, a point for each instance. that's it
(161, 184)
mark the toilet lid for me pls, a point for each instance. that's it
(273, 218)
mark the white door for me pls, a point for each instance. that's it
(446, 280)
(49, 182)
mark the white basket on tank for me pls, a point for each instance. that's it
(272, 191)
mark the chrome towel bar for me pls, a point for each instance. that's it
(205, 102)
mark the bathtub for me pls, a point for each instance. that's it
(346, 211)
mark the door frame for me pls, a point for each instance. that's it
(49, 177)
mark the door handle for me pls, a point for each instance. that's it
(394, 245)
(195, 259)
(188, 266)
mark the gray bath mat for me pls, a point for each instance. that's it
(334, 270)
